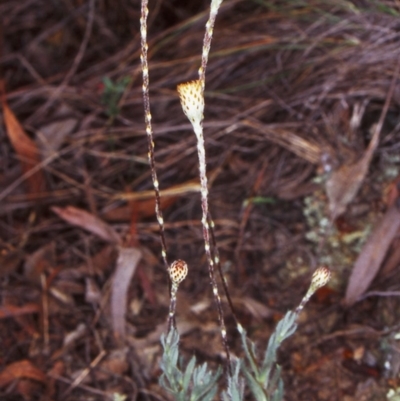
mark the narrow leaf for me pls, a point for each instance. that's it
(254, 386)
(127, 262)
(87, 221)
(368, 262)
(7, 311)
(26, 150)
(188, 374)
(51, 136)
(249, 355)
(19, 370)
(345, 182)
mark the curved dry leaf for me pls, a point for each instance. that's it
(128, 259)
(294, 143)
(7, 311)
(38, 261)
(26, 150)
(142, 208)
(258, 310)
(343, 185)
(374, 251)
(89, 222)
(345, 182)
(21, 369)
(92, 291)
(51, 136)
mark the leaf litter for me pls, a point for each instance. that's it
(267, 97)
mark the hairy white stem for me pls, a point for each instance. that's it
(192, 100)
(149, 128)
(215, 4)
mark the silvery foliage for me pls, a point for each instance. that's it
(199, 383)
(265, 381)
(196, 383)
(235, 388)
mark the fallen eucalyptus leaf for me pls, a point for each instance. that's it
(128, 260)
(374, 251)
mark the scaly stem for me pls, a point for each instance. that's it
(206, 235)
(217, 262)
(149, 128)
(207, 40)
(172, 307)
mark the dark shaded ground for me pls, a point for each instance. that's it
(285, 83)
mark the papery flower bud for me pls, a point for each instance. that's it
(192, 100)
(178, 271)
(320, 278)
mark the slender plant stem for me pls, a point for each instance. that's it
(198, 128)
(207, 40)
(192, 100)
(149, 128)
(177, 272)
(217, 262)
(206, 235)
(172, 307)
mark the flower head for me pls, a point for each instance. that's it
(320, 278)
(192, 100)
(178, 271)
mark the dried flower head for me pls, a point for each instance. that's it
(178, 271)
(192, 100)
(320, 278)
